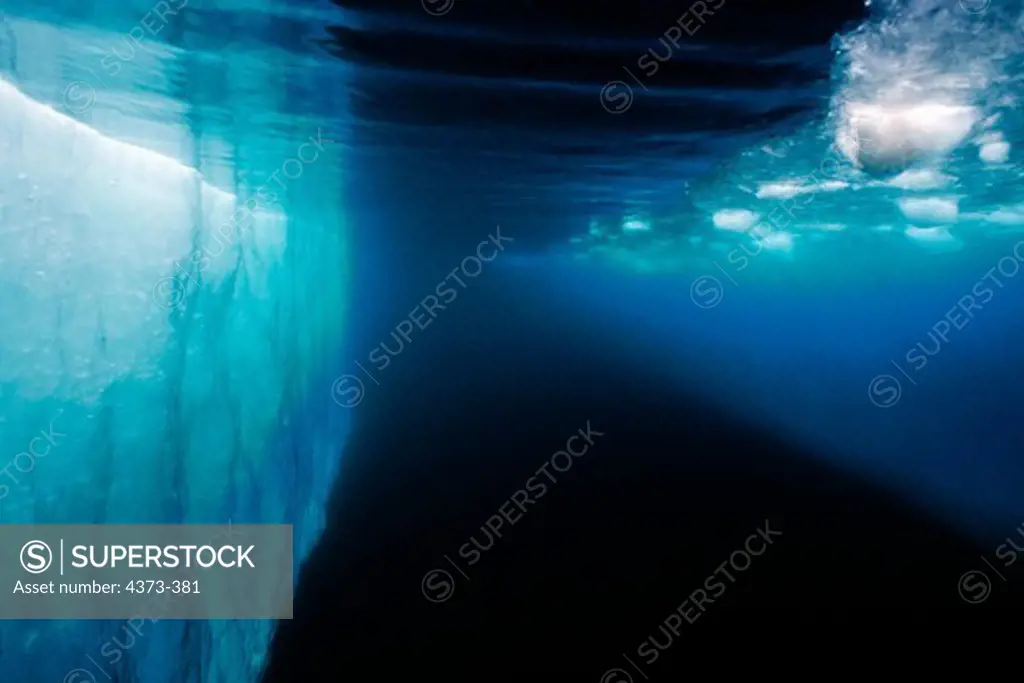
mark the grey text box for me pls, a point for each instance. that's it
(129, 571)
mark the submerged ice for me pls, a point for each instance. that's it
(914, 149)
(163, 337)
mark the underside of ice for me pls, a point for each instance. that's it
(915, 149)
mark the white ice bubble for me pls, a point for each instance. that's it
(734, 220)
(930, 209)
(994, 152)
(635, 225)
(932, 235)
(920, 179)
(786, 189)
(777, 241)
(889, 137)
(1006, 215)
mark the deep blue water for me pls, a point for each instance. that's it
(760, 323)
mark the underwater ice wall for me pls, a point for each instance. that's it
(172, 287)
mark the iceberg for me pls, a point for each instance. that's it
(168, 336)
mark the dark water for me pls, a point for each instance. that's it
(526, 355)
(665, 495)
